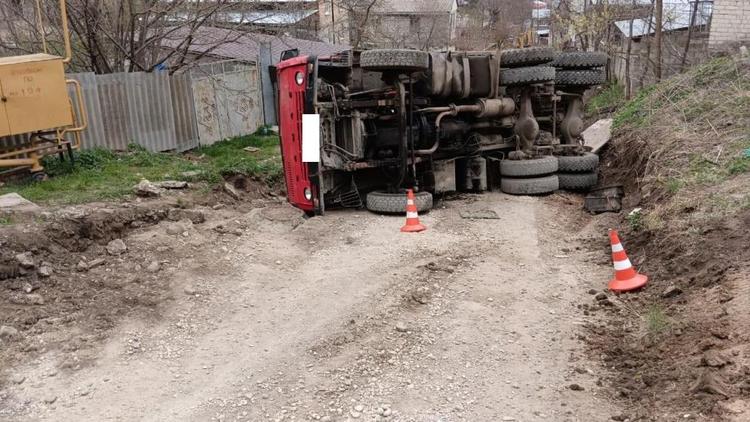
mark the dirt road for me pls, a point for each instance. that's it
(344, 318)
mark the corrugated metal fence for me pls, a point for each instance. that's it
(163, 112)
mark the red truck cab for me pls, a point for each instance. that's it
(294, 100)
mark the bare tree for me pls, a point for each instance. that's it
(659, 9)
(121, 35)
(492, 23)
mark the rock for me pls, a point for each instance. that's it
(28, 287)
(593, 291)
(85, 266)
(251, 149)
(671, 291)
(172, 184)
(82, 266)
(715, 359)
(232, 191)
(354, 414)
(17, 379)
(421, 295)
(147, 189)
(195, 216)
(16, 202)
(620, 418)
(116, 247)
(8, 332)
(359, 408)
(600, 296)
(709, 383)
(191, 175)
(576, 387)
(25, 260)
(29, 299)
(50, 399)
(179, 227)
(401, 327)
(153, 267)
(190, 290)
(606, 302)
(45, 271)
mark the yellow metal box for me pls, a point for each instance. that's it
(33, 94)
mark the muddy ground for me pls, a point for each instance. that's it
(259, 314)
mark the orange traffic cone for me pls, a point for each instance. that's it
(412, 218)
(626, 277)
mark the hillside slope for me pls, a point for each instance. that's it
(682, 150)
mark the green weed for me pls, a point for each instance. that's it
(611, 97)
(5, 220)
(656, 320)
(635, 219)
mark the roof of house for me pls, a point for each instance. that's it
(268, 17)
(245, 46)
(677, 15)
(416, 7)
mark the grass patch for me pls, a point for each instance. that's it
(608, 99)
(102, 175)
(5, 220)
(636, 111)
(656, 320)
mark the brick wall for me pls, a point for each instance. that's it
(730, 22)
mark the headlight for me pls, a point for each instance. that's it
(308, 194)
(299, 78)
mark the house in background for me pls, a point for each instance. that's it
(683, 20)
(730, 24)
(420, 24)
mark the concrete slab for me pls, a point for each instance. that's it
(16, 202)
(598, 134)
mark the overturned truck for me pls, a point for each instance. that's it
(358, 127)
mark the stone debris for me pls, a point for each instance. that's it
(146, 189)
(172, 184)
(232, 191)
(8, 332)
(25, 260)
(116, 247)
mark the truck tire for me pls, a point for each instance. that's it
(527, 75)
(395, 203)
(580, 60)
(530, 186)
(402, 60)
(578, 163)
(577, 181)
(531, 56)
(525, 168)
(580, 77)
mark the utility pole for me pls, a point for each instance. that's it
(659, 23)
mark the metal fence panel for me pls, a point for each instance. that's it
(186, 125)
(94, 134)
(150, 111)
(113, 112)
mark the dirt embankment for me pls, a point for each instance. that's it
(682, 150)
(70, 275)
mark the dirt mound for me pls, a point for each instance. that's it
(682, 151)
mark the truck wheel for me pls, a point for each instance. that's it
(577, 181)
(530, 186)
(580, 77)
(402, 60)
(523, 168)
(527, 75)
(531, 56)
(580, 60)
(395, 203)
(578, 163)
